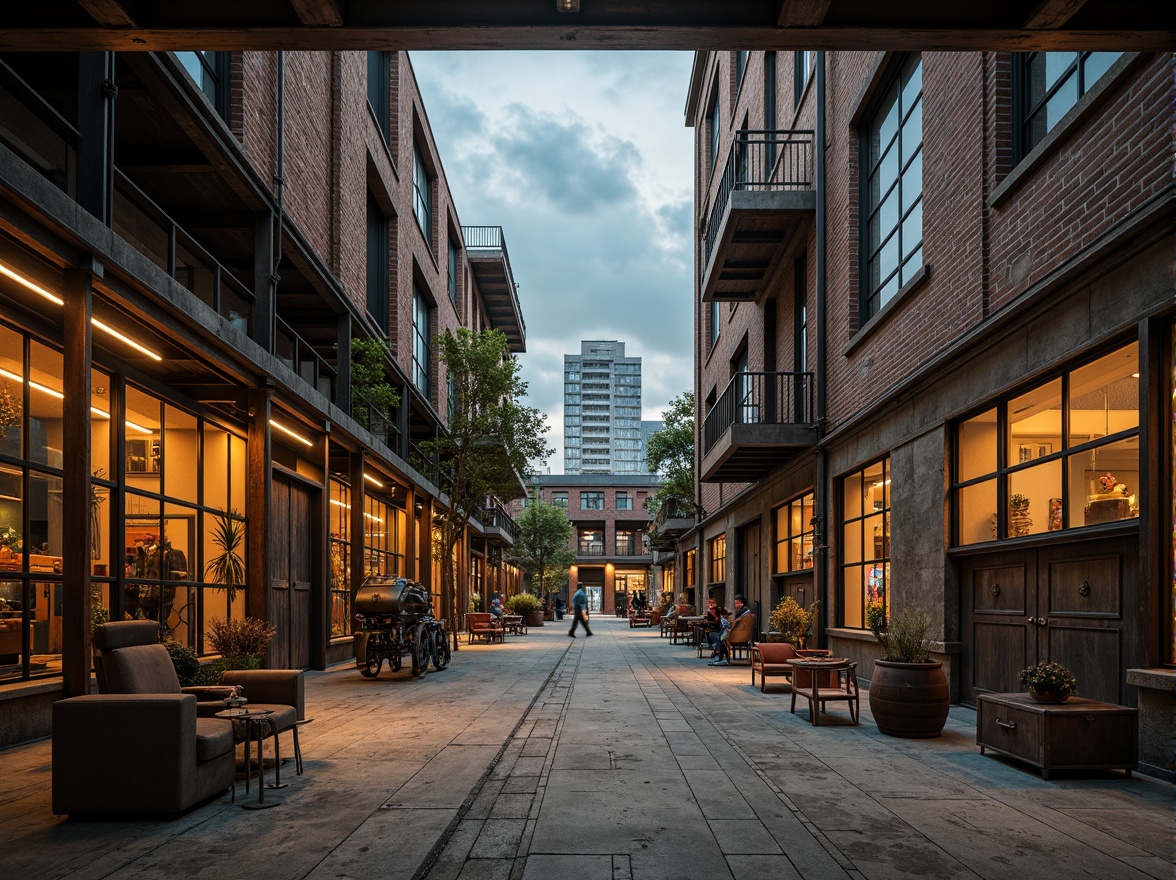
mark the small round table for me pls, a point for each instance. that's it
(256, 722)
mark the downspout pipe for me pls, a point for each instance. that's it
(823, 506)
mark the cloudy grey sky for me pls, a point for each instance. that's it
(585, 161)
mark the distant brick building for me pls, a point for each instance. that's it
(610, 529)
(934, 315)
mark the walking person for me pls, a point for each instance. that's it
(579, 612)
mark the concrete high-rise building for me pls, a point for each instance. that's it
(602, 410)
(648, 429)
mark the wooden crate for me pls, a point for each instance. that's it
(1078, 734)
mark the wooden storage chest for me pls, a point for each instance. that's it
(1078, 734)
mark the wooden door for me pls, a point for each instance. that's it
(1064, 603)
(290, 567)
(751, 573)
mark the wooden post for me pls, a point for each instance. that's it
(96, 94)
(75, 514)
(257, 504)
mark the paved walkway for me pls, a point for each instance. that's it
(620, 757)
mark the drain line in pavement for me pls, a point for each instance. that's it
(439, 847)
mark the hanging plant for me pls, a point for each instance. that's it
(227, 567)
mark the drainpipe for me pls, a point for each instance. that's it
(822, 496)
(280, 185)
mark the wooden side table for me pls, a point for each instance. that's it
(1078, 734)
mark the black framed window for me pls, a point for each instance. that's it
(740, 65)
(422, 194)
(865, 545)
(339, 548)
(718, 559)
(559, 499)
(591, 542)
(803, 72)
(624, 501)
(1048, 85)
(210, 70)
(421, 336)
(379, 84)
(591, 501)
(715, 120)
(770, 105)
(892, 172)
(377, 263)
(715, 321)
(453, 269)
(794, 535)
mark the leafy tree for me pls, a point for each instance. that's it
(670, 453)
(490, 439)
(542, 547)
(369, 379)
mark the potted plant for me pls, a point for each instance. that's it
(909, 695)
(791, 623)
(1049, 682)
(227, 567)
(241, 643)
(528, 607)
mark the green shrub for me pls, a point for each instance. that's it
(907, 640)
(792, 622)
(241, 643)
(523, 603)
(185, 661)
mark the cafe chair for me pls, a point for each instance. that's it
(825, 681)
(740, 636)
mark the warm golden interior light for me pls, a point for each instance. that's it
(290, 433)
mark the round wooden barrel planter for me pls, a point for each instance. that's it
(909, 699)
(534, 619)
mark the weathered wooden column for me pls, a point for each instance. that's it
(75, 515)
(257, 503)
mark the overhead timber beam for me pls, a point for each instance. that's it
(1053, 14)
(318, 13)
(109, 13)
(803, 13)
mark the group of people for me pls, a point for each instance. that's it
(718, 622)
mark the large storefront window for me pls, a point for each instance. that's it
(383, 538)
(182, 523)
(865, 545)
(690, 573)
(794, 535)
(339, 547)
(1062, 455)
(718, 559)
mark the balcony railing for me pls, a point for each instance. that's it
(593, 548)
(764, 161)
(760, 399)
(672, 509)
(380, 422)
(497, 518)
(297, 354)
(141, 221)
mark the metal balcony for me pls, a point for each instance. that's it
(498, 526)
(486, 251)
(673, 520)
(764, 203)
(759, 422)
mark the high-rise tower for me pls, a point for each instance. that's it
(602, 410)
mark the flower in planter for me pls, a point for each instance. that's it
(1049, 678)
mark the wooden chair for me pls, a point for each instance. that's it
(481, 624)
(771, 658)
(828, 681)
(740, 637)
(667, 626)
(683, 630)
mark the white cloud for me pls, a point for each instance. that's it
(584, 159)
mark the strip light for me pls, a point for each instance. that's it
(56, 300)
(373, 481)
(293, 434)
(44, 389)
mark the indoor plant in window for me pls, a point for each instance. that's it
(528, 606)
(227, 567)
(909, 695)
(1019, 521)
(1049, 682)
(241, 643)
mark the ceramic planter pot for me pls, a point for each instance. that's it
(534, 619)
(909, 699)
(1049, 696)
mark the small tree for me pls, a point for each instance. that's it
(542, 547)
(490, 439)
(670, 453)
(369, 380)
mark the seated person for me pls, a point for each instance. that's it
(496, 608)
(715, 618)
(741, 609)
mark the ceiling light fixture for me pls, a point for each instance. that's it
(567, 5)
(56, 300)
(290, 433)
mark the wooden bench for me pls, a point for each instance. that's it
(640, 620)
(515, 624)
(482, 625)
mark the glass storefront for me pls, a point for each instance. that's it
(339, 548)
(794, 536)
(865, 545)
(1062, 455)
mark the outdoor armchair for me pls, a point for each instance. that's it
(740, 636)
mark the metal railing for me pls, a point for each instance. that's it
(141, 221)
(297, 354)
(672, 509)
(380, 422)
(491, 238)
(760, 399)
(497, 518)
(764, 161)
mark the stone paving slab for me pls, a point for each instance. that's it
(621, 757)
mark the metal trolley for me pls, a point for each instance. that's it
(394, 619)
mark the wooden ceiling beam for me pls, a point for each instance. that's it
(1053, 14)
(318, 13)
(803, 13)
(109, 13)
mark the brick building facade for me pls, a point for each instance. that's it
(934, 316)
(232, 222)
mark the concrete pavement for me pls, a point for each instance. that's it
(620, 757)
